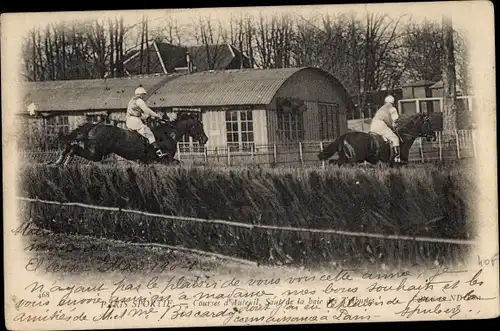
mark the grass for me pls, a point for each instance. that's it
(427, 201)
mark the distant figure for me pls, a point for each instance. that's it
(384, 123)
(136, 109)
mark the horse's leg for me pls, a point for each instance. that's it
(69, 156)
(63, 155)
(88, 154)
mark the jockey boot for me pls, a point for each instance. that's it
(159, 152)
(397, 157)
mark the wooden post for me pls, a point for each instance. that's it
(421, 149)
(275, 154)
(440, 146)
(252, 153)
(300, 154)
(473, 136)
(321, 149)
(178, 151)
(228, 156)
(458, 144)
(205, 153)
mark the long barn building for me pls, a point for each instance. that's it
(265, 112)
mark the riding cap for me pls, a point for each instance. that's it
(389, 99)
(140, 90)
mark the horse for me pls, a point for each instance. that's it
(95, 141)
(358, 147)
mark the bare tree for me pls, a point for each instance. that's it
(209, 37)
(424, 47)
(168, 31)
(462, 62)
(449, 78)
(274, 39)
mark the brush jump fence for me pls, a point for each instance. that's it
(449, 146)
(253, 230)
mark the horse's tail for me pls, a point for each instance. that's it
(80, 133)
(335, 147)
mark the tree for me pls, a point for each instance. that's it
(424, 49)
(208, 34)
(449, 77)
(274, 39)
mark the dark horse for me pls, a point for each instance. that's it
(95, 141)
(358, 147)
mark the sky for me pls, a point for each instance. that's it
(462, 19)
(470, 18)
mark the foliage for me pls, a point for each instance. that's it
(419, 201)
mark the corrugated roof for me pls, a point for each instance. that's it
(229, 87)
(85, 94)
(218, 88)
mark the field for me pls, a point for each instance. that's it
(424, 200)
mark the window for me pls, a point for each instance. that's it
(329, 126)
(95, 118)
(239, 130)
(57, 125)
(290, 126)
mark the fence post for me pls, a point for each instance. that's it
(252, 153)
(458, 144)
(421, 149)
(473, 136)
(205, 153)
(228, 156)
(321, 149)
(300, 154)
(179, 152)
(275, 154)
(440, 145)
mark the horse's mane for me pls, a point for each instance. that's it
(405, 120)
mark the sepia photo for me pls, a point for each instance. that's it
(249, 166)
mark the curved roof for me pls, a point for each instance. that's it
(85, 94)
(211, 88)
(231, 87)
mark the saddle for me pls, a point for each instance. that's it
(380, 141)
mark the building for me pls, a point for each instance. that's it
(243, 111)
(164, 58)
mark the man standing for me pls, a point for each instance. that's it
(136, 109)
(383, 123)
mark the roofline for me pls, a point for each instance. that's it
(239, 50)
(159, 57)
(345, 95)
(231, 50)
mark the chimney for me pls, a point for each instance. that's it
(188, 62)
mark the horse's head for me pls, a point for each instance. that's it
(193, 127)
(418, 125)
(426, 129)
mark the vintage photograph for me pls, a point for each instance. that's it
(246, 149)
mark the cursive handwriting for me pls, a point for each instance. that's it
(342, 296)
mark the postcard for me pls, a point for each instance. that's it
(249, 166)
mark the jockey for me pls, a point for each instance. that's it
(383, 123)
(136, 108)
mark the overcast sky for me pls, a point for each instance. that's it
(462, 16)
